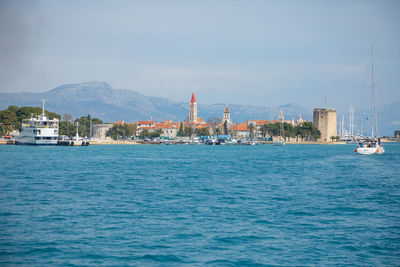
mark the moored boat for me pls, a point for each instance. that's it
(39, 130)
(279, 143)
(375, 146)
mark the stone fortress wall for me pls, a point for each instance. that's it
(325, 119)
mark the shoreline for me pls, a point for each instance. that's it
(133, 142)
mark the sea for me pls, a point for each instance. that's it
(196, 205)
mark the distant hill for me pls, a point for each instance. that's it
(100, 100)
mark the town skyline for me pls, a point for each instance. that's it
(109, 104)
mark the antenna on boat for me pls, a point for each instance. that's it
(43, 102)
(375, 126)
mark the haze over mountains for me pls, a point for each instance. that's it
(100, 100)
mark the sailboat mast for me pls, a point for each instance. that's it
(375, 126)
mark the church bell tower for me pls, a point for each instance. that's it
(193, 109)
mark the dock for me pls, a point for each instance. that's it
(73, 143)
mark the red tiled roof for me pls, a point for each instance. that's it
(145, 122)
(240, 128)
(119, 122)
(259, 122)
(193, 100)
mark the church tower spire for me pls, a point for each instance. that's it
(227, 115)
(193, 109)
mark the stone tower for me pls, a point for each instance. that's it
(281, 118)
(226, 121)
(325, 119)
(300, 120)
(227, 115)
(193, 109)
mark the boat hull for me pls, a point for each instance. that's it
(380, 150)
(366, 150)
(30, 140)
(279, 143)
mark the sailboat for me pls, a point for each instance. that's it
(370, 147)
(281, 142)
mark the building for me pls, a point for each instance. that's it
(241, 130)
(141, 124)
(168, 128)
(193, 109)
(226, 120)
(281, 118)
(325, 120)
(255, 126)
(100, 131)
(299, 120)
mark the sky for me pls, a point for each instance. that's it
(264, 53)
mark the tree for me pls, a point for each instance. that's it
(189, 131)
(8, 118)
(122, 131)
(202, 131)
(251, 129)
(298, 130)
(272, 129)
(397, 133)
(215, 125)
(226, 128)
(131, 129)
(264, 130)
(67, 128)
(144, 133)
(84, 124)
(180, 132)
(288, 130)
(334, 138)
(311, 131)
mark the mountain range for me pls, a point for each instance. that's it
(100, 100)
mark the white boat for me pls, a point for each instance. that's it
(372, 147)
(366, 148)
(195, 141)
(39, 130)
(279, 143)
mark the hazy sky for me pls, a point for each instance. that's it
(244, 52)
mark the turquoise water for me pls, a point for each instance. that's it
(199, 205)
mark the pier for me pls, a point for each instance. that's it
(73, 143)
